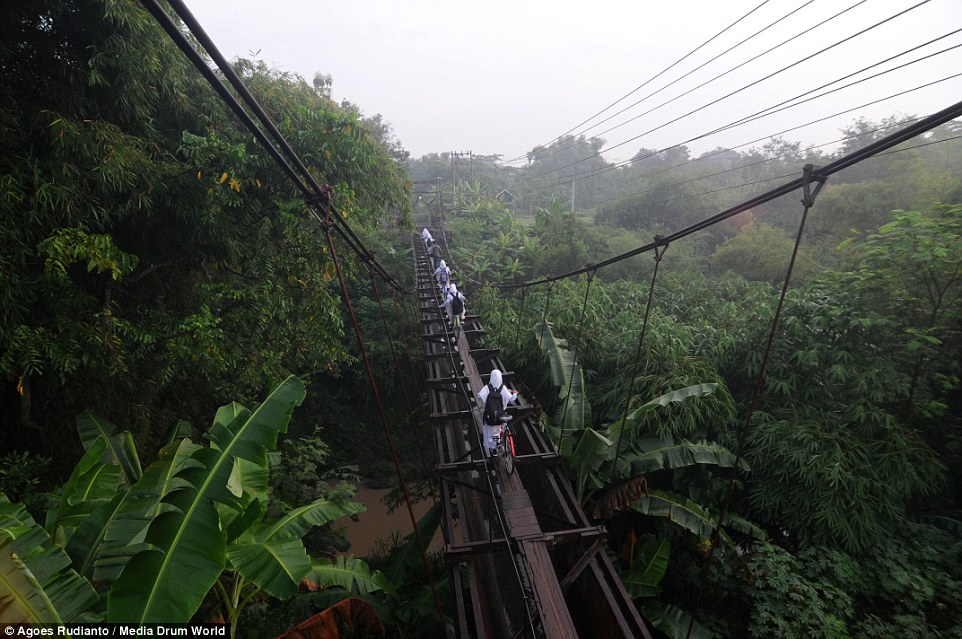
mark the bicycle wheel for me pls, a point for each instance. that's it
(508, 452)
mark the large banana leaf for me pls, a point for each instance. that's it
(567, 376)
(648, 568)
(681, 511)
(123, 534)
(634, 420)
(91, 484)
(120, 446)
(273, 557)
(36, 584)
(276, 566)
(350, 573)
(298, 521)
(651, 454)
(589, 453)
(673, 621)
(186, 553)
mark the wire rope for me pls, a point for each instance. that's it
(654, 77)
(739, 90)
(698, 68)
(920, 126)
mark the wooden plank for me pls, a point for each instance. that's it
(553, 609)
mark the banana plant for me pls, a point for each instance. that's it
(193, 521)
(37, 585)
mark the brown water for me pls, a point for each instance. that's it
(376, 524)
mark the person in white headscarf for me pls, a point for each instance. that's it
(454, 302)
(494, 385)
(443, 275)
(426, 235)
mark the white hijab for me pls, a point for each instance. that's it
(442, 265)
(495, 381)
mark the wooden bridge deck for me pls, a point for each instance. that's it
(532, 563)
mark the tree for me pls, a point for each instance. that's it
(197, 511)
(760, 252)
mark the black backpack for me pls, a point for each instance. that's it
(457, 306)
(493, 407)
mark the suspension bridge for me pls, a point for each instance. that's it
(524, 559)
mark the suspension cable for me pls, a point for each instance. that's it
(517, 330)
(810, 192)
(404, 386)
(544, 317)
(574, 361)
(920, 126)
(634, 367)
(387, 429)
(305, 182)
(689, 73)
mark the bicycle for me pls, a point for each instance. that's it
(504, 443)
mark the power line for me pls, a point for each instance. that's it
(743, 88)
(704, 64)
(772, 110)
(654, 77)
(921, 126)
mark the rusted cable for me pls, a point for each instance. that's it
(810, 175)
(634, 365)
(544, 317)
(517, 331)
(574, 362)
(404, 386)
(380, 407)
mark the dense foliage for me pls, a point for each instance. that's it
(853, 444)
(156, 261)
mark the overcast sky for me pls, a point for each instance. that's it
(500, 77)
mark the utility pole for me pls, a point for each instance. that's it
(572, 194)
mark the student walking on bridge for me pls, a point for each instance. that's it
(434, 253)
(443, 275)
(493, 398)
(455, 303)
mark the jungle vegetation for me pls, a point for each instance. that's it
(175, 364)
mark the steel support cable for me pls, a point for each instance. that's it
(305, 182)
(739, 90)
(500, 517)
(656, 76)
(517, 330)
(776, 108)
(195, 27)
(387, 429)
(574, 361)
(920, 126)
(634, 366)
(404, 386)
(784, 104)
(698, 68)
(544, 316)
(810, 192)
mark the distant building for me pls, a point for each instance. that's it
(505, 196)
